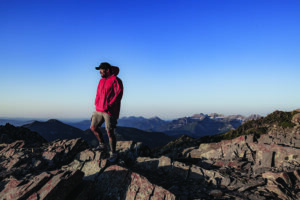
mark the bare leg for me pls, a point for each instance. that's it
(112, 140)
(97, 132)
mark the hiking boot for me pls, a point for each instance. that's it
(113, 157)
(101, 147)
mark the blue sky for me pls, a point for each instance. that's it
(176, 58)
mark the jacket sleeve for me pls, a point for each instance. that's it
(97, 94)
(118, 90)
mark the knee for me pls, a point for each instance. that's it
(93, 128)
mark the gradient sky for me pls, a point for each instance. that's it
(176, 58)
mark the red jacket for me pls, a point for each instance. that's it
(109, 93)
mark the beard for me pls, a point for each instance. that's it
(103, 75)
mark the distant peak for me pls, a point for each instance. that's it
(155, 118)
(35, 122)
(53, 121)
(216, 115)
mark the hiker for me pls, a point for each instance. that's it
(108, 103)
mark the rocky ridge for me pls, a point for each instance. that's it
(246, 167)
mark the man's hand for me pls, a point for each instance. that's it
(107, 108)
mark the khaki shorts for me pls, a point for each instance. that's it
(99, 117)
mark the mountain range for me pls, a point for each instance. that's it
(54, 129)
(154, 132)
(196, 126)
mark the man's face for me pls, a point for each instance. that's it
(103, 73)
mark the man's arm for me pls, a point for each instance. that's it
(118, 90)
(97, 94)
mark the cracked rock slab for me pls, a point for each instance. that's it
(117, 182)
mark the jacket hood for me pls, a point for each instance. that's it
(115, 70)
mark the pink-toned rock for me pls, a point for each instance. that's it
(274, 177)
(265, 139)
(237, 148)
(160, 194)
(112, 183)
(165, 164)
(60, 185)
(280, 184)
(86, 155)
(251, 184)
(186, 152)
(205, 151)
(266, 153)
(9, 190)
(208, 151)
(180, 169)
(196, 173)
(236, 164)
(99, 155)
(63, 151)
(91, 169)
(75, 165)
(281, 136)
(280, 193)
(147, 163)
(130, 150)
(10, 164)
(139, 188)
(226, 149)
(104, 163)
(16, 189)
(265, 158)
(164, 161)
(117, 182)
(282, 156)
(10, 149)
(50, 156)
(215, 177)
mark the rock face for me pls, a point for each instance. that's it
(273, 157)
(67, 169)
(247, 167)
(120, 183)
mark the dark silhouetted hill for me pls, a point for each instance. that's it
(53, 129)
(10, 133)
(151, 139)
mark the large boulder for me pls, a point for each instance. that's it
(61, 152)
(117, 182)
(226, 149)
(276, 156)
(130, 150)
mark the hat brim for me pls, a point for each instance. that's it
(97, 68)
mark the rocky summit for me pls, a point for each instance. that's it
(250, 166)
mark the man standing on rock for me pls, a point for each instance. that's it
(108, 103)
